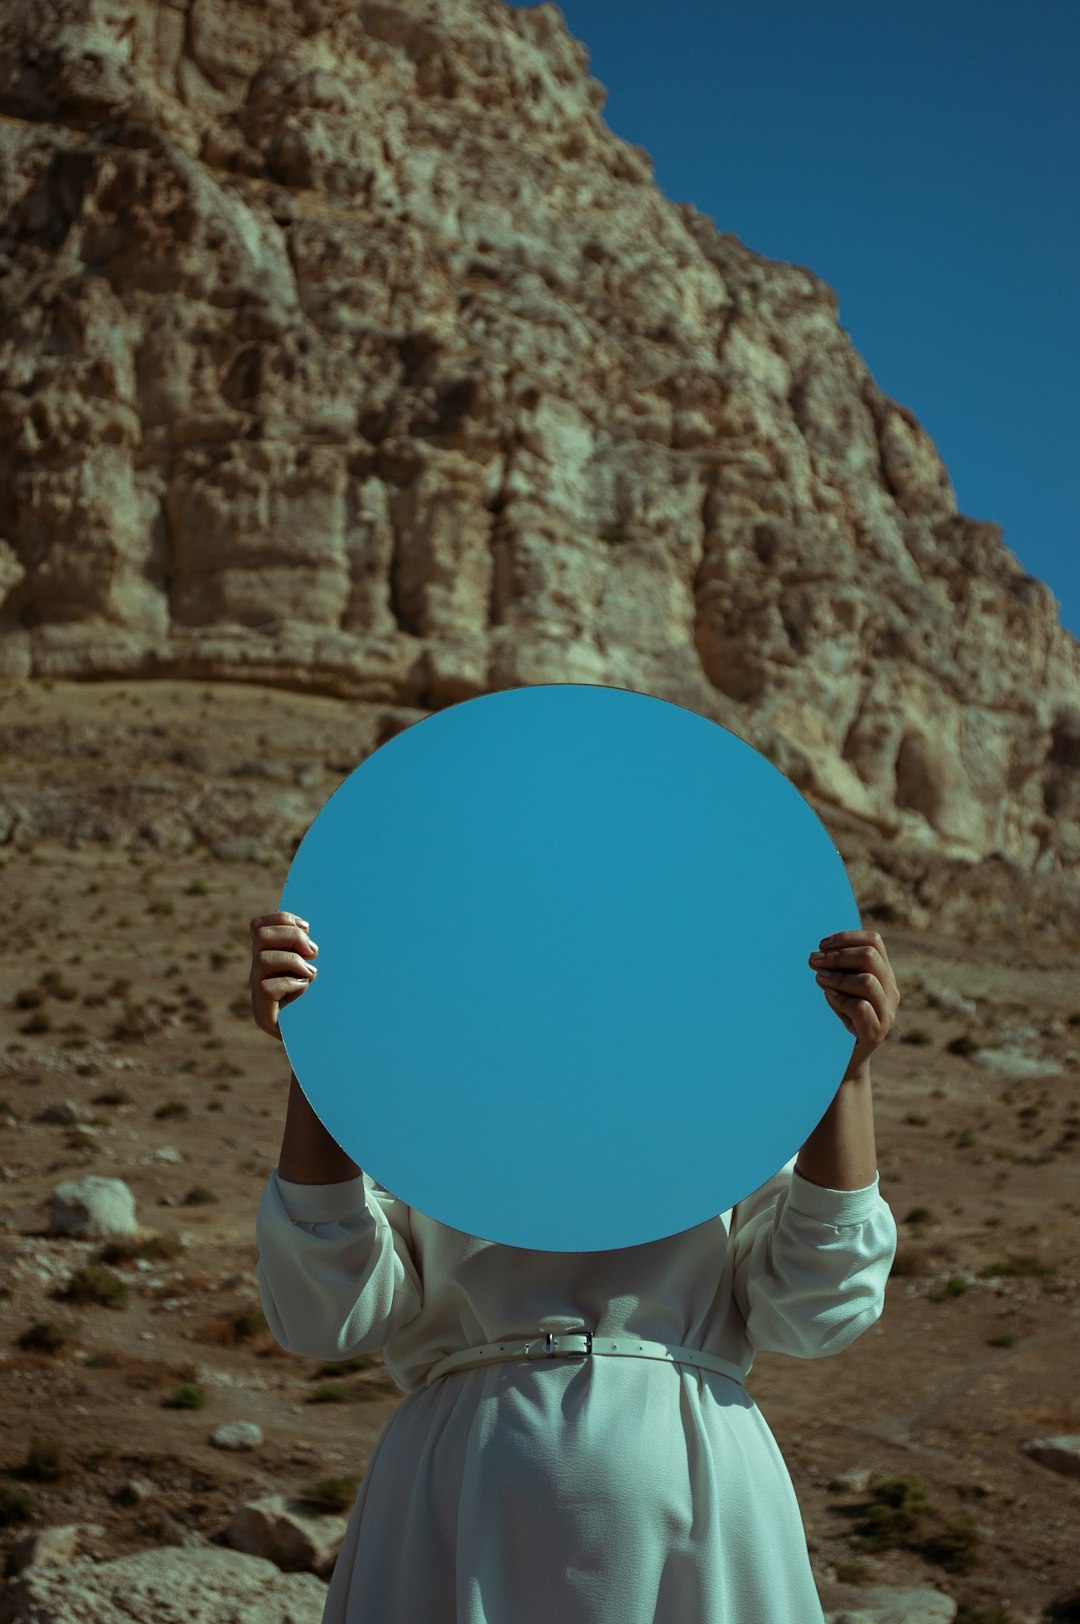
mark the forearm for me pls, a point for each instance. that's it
(309, 1155)
(841, 1153)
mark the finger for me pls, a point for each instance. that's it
(270, 960)
(283, 936)
(276, 988)
(276, 919)
(857, 1015)
(837, 1002)
(856, 958)
(864, 988)
(840, 957)
(854, 938)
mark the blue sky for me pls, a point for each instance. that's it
(923, 158)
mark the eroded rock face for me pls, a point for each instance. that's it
(172, 1584)
(342, 345)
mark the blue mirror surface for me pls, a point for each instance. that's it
(563, 999)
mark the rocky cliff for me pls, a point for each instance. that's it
(343, 347)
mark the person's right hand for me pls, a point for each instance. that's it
(280, 949)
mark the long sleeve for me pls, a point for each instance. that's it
(335, 1271)
(810, 1264)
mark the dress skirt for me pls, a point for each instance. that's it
(603, 1490)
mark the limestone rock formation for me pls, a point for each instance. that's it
(171, 1584)
(92, 1206)
(344, 347)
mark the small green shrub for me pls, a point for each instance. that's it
(54, 983)
(954, 1286)
(955, 1547)
(162, 1247)
(854, 1573)
(17, 1504)
(330, 1393)
(341, 1367)
(188, 1396)
(1003, 1339)
(899, 1505)
(919, 1215)
(916, 1036)
(962, 1045)
(47, 1461)
(332, 1493)
(112, 1096)
(1017, 1267)
(44, 1336)
(249, 1323)
(97, 1284)
(173, 1108)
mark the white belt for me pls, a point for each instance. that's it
(574, 1344)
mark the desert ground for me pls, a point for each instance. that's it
(127, 1049)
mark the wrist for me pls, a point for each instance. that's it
(858, 1071)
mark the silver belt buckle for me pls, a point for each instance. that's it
(547, 1348)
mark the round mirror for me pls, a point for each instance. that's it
(563, 999)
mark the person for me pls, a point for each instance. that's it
(587, 1489)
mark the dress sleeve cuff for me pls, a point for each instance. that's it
(322, 1203)
(833, 1206)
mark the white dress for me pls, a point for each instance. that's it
(602, 1490)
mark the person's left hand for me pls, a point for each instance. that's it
(854, 972)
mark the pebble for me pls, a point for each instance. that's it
(237, 1435)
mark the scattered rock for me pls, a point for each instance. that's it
(895, 1604)
(953, 1003)
(58, 1545)
(66, 1111)
(135, 1491)
(289, 1533)
(1062, 1454)
(854, 1481)
(175, 1584)
(243, 849)
(92, 1207)
(1016, 1063)
(237, 1435)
